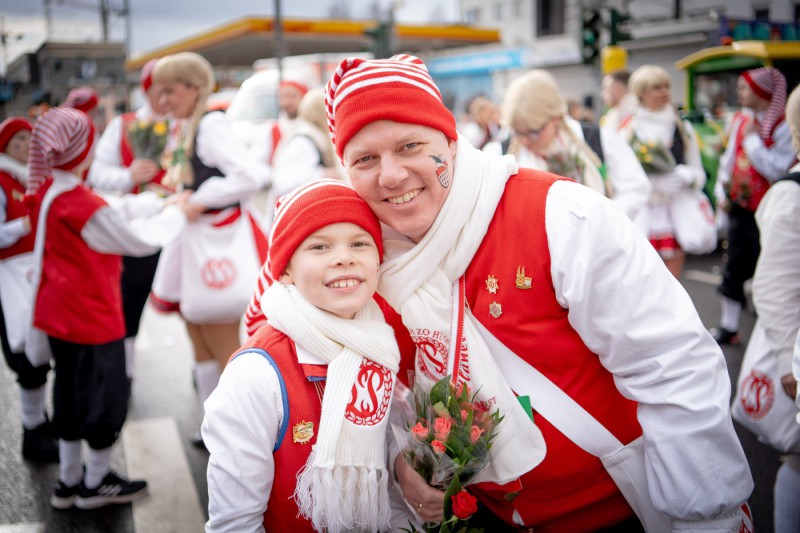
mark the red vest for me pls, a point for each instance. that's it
(570, 490)
(126, 152)
(79, 298)
(747, 186)
(16, 208)
(305, 406)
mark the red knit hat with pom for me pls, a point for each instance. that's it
(399, 89)
(10, 127)
(310, 208)
(83, 99)
(146, 76)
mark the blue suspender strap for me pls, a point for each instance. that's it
(284, 394)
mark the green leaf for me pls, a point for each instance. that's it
(440, 392)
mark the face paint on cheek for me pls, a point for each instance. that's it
(442, 172)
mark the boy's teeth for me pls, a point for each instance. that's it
(407, 197)
(341, 284)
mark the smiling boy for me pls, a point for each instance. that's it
(302, 409)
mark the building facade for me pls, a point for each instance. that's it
(47, 75)
(548, 34)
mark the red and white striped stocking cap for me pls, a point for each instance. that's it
(62, 139)
(770, 84)
(399, 89)
(146, 76)
(311, 207)
(83, 99)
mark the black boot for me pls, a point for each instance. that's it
(40, 444)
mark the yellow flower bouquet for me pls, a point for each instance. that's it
(148, 138)
(654, 157)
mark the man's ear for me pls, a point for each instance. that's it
(451, 145)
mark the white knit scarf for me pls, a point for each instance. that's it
(344, 485)
(419, 281)
(18, 170)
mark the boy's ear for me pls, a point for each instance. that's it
(286, 278)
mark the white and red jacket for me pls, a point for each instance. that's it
(15, 237)
(109, 171)
(79, 241)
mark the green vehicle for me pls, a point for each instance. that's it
(711, 76)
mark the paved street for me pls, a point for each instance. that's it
(164, 413)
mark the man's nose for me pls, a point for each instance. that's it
(392, 171)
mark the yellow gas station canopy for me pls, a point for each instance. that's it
(243, 41)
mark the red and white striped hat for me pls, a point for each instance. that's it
(146, 76)
(770, 84)
(62, 139)
(83, 99)
(310, 208)
(399, 89)
(301, 87)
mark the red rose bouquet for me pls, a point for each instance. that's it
(448, 444)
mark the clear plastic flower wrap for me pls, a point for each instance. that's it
(448, 439)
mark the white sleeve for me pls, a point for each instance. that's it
(796, 370)
(107, 172)
(297, 163)
(694, 161)
(10, 232)
(771, 162)
(261, 146)
(242, 419)
(726, 159)
(109, 232)
(218, 147)
(628, 179)
(634, 314)
(776, 283)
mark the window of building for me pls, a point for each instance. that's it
(761, 14)
(516, 8)
(499, 11)
(549, 17)
(472, 16)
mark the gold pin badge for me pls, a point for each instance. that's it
(18, 196)
(523, 282)
(491, 284)
(495, 309)
(302, 432)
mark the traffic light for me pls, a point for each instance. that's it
(592, 23)
(618, 33)
(382, 39)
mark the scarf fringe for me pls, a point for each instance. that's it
(344, 498)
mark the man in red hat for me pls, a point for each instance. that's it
(85, 99)
(758, 153)
(521, 283)
(17, 234)
(290, 92)
(116, 169)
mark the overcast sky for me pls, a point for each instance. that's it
(155, 23)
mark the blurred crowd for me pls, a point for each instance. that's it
(168, 205)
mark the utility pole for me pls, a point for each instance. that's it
(104, 19)
(48, 18)
(280, 51)
(5, 36)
